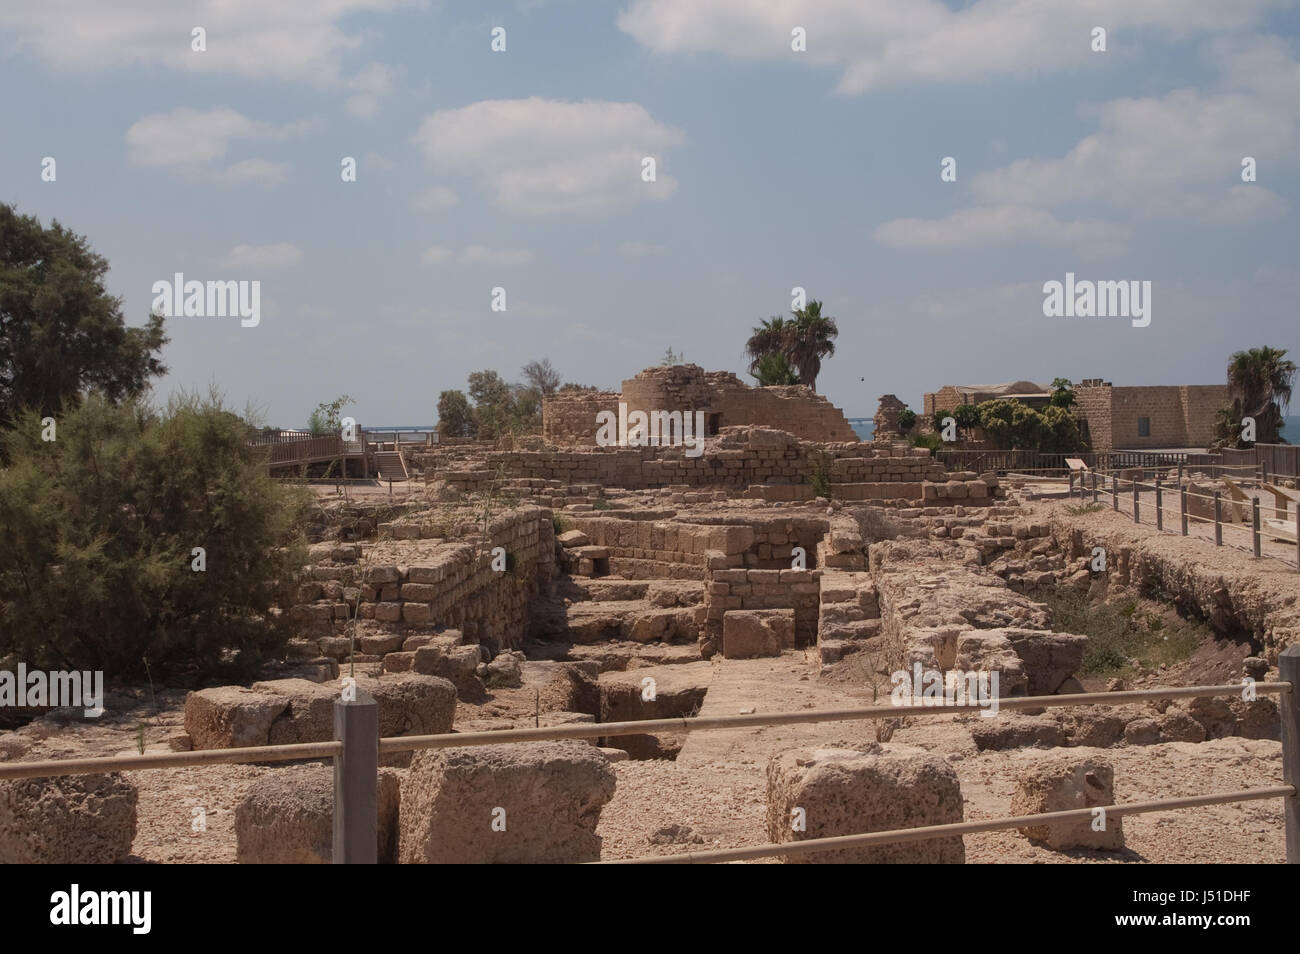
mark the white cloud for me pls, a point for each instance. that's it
(893, 42)
(973, 228)
(279, 255)
(188, 135)
(252, 170)
(475, 255)
(1145, 150)
(541, 155)
(639, 249)
(299, 40)
(436, 198)
(191, 137)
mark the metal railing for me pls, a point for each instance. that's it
(1124, 489)
(357, 748)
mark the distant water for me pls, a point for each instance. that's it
(1290, 432)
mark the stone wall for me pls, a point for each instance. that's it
(437, 586)
(741, 458)
(569, 417)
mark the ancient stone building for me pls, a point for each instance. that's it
(570, 417)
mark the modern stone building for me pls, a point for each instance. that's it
(951, 396)
(1139, 418)
(1124, 418)
(570, 416)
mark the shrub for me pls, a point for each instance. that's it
(819, 463)
(97, 537)
(906, 420)
(932, 441)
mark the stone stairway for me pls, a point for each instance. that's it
(848, 616)
(614, 621)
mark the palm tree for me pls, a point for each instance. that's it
(1260, 381)
(769, 337)
(773, 370)
(811, 339)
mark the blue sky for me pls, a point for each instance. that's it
(776, 169)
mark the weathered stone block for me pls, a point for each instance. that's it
(548, 795)
(1062, 781)
(848, 792)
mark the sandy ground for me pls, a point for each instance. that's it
(716, 789)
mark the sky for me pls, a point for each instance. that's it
(775, 168)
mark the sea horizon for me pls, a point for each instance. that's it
(865, 428)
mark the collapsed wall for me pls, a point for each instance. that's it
(424, 586)
(949, 615)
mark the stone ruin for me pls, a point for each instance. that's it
(888, 414)
(580, 573)
(569, 417)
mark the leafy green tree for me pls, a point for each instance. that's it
(327, 419)
(1062, 392)
(906, 420)
(455, 416)
(98, 537)
(1059, 433)
(1260, 382)
(967, 417)
(1011, 425)
(61, 333)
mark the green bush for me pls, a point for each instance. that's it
(906, 420)
(933, 441)
(97, 537)
(819, 463)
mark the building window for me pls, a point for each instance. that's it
(1144, 427)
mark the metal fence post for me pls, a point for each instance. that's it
(1114, 492)
(1218, 518)
(1254, 524)
(1182, 506)
(1094, 487)
(356, 781)
(1135, 502)
(1160, 516)
(1180, 473)
(1288, 664)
